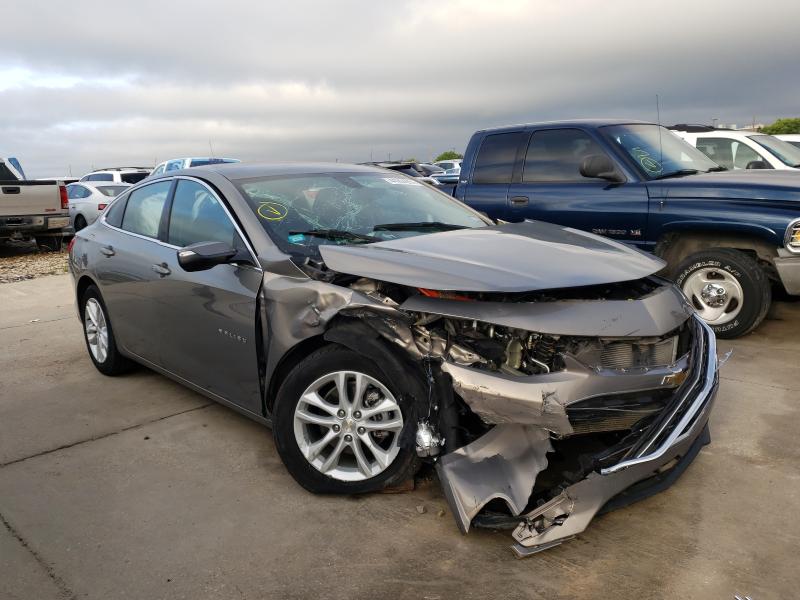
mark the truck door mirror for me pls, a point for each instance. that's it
(599, 166)
(757, 164)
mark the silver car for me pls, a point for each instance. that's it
(375, 323)
(88, 200)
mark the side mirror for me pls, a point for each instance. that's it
(757, 164)
(599, 166)
(204, 255)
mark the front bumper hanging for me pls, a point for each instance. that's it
(504, 464)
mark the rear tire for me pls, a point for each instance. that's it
(99, 335)
(80, 223)
(355, 469)
(50, 243)
(729, 290)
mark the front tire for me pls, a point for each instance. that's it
(338, 422)
(729, 290)
(99, 335)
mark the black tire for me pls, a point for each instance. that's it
(114, 363)
(757, 292)
(327, 360)
(49, 242)
(80, 222)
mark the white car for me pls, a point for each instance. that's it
(174, 164)
(88, 200)
(449, 165)
(734, 149)
(118, 175)
(792, 138)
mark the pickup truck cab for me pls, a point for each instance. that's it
(31, 209)
(725, 235)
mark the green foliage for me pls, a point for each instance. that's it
(782, 126)
(448, 155)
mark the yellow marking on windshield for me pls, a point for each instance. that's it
(272, 211)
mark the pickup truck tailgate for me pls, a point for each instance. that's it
(29, 198)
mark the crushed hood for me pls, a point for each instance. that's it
(514, 257)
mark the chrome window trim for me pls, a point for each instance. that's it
(788, 236)
(168, 245)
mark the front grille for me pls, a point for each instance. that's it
(628, 355)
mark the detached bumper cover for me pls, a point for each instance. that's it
(668, 446)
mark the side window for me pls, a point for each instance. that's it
(720, 150)
(495, 160)
(71, 191)
(557, 154)
(100, 177)
(744, 154)
(144, 208)
(113, 214)
(198, 216)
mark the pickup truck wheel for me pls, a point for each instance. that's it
(729, 290)
(99, 335)
(338, 422)
(49, 242)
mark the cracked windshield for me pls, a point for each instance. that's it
(300, 213)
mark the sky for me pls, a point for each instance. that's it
(90, 83)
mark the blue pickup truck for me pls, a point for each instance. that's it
(727, 236)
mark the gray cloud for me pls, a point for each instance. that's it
(111, 84)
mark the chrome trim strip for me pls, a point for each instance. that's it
(252, 252)
(679, 434)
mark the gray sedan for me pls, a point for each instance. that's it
(375, 323)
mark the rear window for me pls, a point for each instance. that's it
(132, 177)
(6, 174)
(144, 208)
(111, 190)
(495, 161)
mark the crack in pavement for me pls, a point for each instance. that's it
(63, 588)
(37, 321)
(104, 436)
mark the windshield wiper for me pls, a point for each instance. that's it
(337, 234)
(680, 173)
(420, 226)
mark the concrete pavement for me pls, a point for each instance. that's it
(138, 488)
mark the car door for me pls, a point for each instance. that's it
(128, 268)
(492, 172)
(550, 188)
(208, 318)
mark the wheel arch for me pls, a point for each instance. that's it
(676, 244)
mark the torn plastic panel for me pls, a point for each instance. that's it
(503, 464)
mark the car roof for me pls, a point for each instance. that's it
(116, 169)
(234, 171)
(569, 123)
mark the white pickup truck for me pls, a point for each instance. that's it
(31, 209)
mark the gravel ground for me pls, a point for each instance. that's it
(19, 262)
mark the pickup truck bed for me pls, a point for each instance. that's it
(35, 209)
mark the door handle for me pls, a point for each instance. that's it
(107, 250)
(162, 269)
(519, 200)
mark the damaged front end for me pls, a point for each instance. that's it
(539, 408)
(552, 426)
